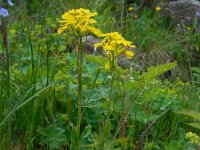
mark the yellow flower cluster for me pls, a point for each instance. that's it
(193, 137)
(130, 9)
(79, 20)
(158, 8)
(114, 43)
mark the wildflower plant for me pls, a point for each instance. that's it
(115, 45)
(80, 22)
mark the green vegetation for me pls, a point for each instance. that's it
(141, 92)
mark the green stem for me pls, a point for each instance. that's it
(110, 101)
(112, 65)
(123, 128)
(79, 69)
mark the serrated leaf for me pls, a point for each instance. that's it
(53, 135)
(152, 72)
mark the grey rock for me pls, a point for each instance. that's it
(184, 12)
(88, 42)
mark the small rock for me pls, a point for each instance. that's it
(89, 48)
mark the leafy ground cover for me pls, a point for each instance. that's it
(141, 92)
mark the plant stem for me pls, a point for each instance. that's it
(110, 104)
(79, 69)
(123, 128)
(112, 62)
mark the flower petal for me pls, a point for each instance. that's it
(129, 54)
(4, 12)
(10, 2)
(61, 29)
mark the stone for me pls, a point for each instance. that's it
(183, 12)
(88, 44)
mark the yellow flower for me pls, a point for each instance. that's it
(158, 8)
(129, 54)
(116, 44)
(94, 30)
(78, 20)
(130, 9)
(189, 28)
(107, 65)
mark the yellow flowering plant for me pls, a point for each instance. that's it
(79, 21)
(115, 45)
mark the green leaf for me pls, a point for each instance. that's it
(107, 128)
(97, 59)
(54, 136)
(192, 113)
(156, 71)
(152, 72)
(196, 72)
(74, 138)
(195, 125)
(121, 141)
(87, 131)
